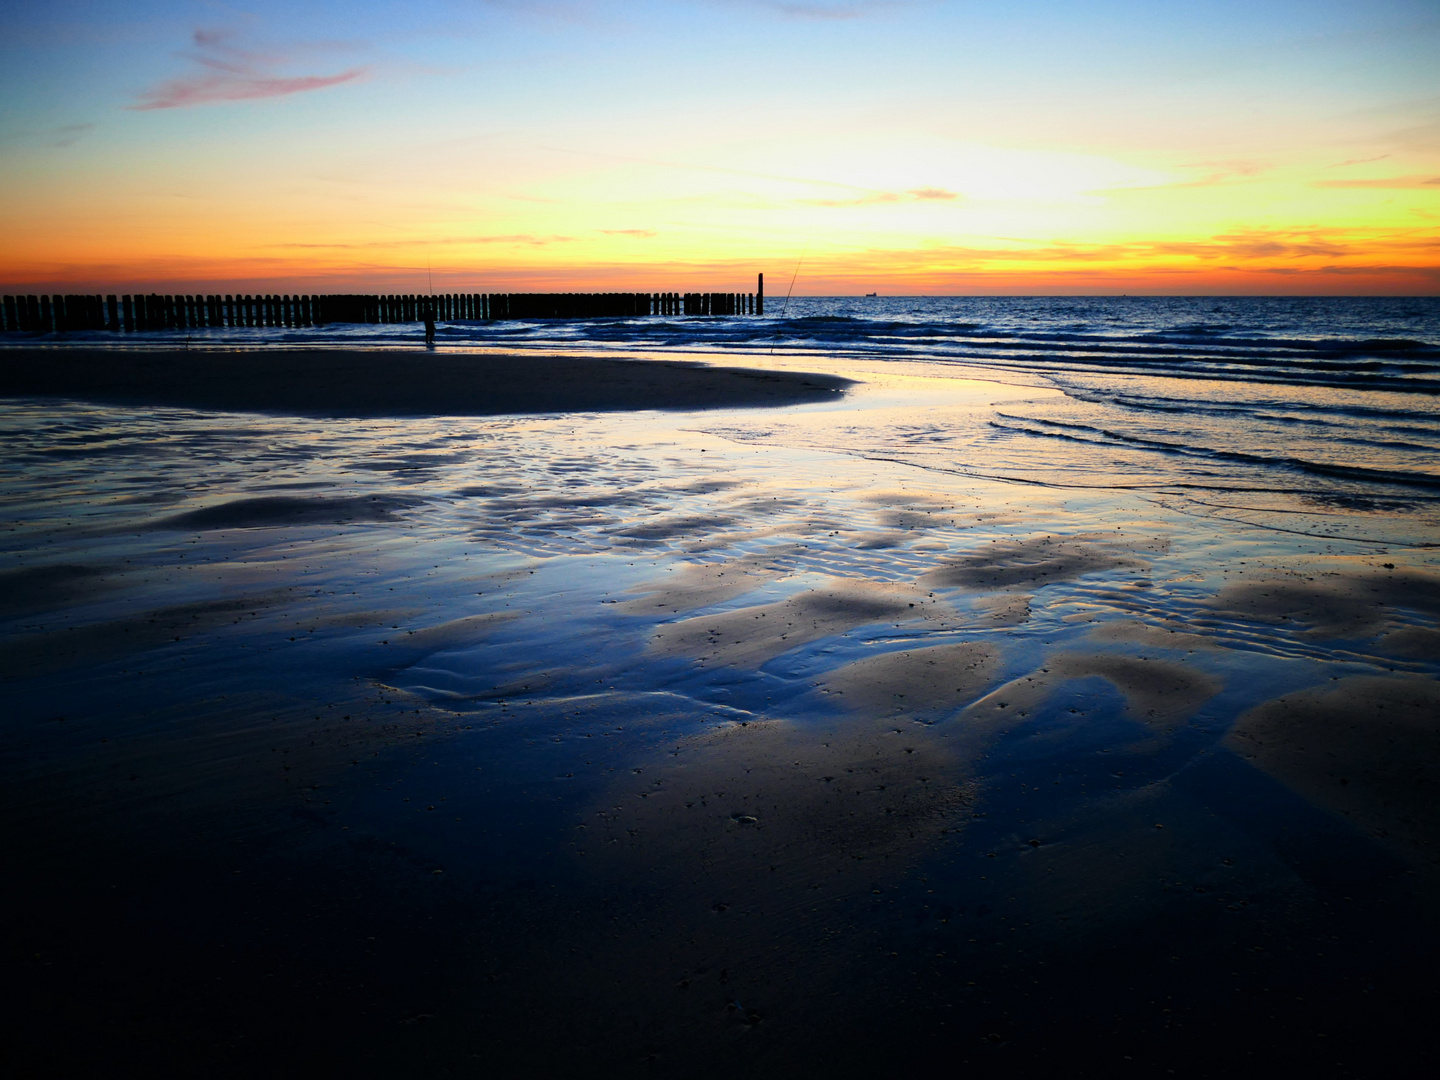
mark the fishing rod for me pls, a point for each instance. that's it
(784, 307)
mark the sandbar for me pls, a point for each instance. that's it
(395, 382)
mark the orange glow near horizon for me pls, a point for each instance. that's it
(1018, 222)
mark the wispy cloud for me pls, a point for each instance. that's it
(920, 194)
(1359, 161)
(641, 234)
(69, 134)
(1381, 182)
(568, 11)
(1220, 172)
(231, 73)
(62, 136)
(517, 239)
(827, 9)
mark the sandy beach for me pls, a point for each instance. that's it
(507, 723)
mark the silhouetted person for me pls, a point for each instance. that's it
(429, 326)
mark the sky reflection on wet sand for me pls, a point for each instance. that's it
(725, 738)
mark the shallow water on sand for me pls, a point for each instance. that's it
(771, 740)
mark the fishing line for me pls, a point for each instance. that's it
(786, 305)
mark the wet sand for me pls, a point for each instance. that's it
(650, 744)
(393, 382)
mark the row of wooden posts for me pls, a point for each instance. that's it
(132, 313)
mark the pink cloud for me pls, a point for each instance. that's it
(233, 74)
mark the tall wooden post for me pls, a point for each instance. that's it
(760, 296)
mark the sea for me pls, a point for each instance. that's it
(1319, 407)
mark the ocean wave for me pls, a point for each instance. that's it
(1102, 436)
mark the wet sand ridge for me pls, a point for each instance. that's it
(394, 382)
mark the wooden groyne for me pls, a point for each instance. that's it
(132, 313)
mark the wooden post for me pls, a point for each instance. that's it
(760, 296)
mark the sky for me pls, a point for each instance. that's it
(914, 147)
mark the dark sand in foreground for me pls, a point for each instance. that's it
(394, 382)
